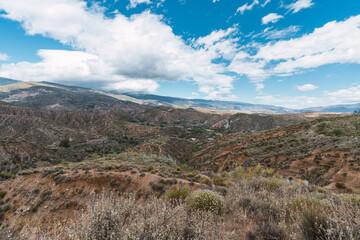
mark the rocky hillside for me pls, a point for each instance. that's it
(258, 122)
(324, 151)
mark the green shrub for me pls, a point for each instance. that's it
(302, 203)
(205, 200)
(273, 184)
(321, 127)
(178, 194)
(2, 194)
(64, 143)
(337, 132)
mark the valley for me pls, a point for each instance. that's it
(64, 148)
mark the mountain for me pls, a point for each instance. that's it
(6, 81)
(52, 96)
(344, 108)
(209, 104)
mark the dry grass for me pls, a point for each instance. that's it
(252, 211)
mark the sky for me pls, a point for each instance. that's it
(289, 53)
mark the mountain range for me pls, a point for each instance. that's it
(64, 97)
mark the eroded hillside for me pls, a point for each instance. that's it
(323, 151)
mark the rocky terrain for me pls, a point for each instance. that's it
(65, 151)
(323, 151)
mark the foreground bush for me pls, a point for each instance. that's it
(110, 218)
(250, 210)
(205, 200)
(267, 231)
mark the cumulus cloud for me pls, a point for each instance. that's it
(4, 57)
(307, 87)
(272, 17)
(119, 52)
(300, 4)
(347, 95)
(134, 3)
(335, 42)
(247, 7)
(326, 98)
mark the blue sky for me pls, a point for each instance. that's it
(291, 53)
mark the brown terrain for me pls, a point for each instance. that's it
(317, 151)
(57, 154)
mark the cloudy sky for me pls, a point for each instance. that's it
(291, 53)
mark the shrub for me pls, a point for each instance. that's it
(302, 203)
(109, 218)
(307, 126)
(205, 200)
(340, 185)
(217, 180)
(313, 224)
(2, 194)
(177, 195)
(273, 184)
(64, 143)
(337, 132)
(321, 127)
(267, 231)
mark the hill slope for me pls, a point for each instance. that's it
(323, 151)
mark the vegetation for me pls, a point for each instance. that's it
(293, 211)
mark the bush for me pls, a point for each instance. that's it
(313, 224)
(109, 218)
(307, 126)
(340, 185)
(177, 195)
(337, 132)
(2, 194)
(273, 184)
(267, 231)
(205, 200)
(64, 143)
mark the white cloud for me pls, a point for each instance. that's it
(4, 57)
(243, 64)
(349, 95)
(335, 42)
(120, 52)
(297, 102)
(307, 87)
(247, 7)
(272, 17)
(220, 43)
(265, 3)
(342, 96)
(300, 4)
(134, 3)
(273, 34)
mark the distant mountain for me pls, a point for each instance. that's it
(344, 108)
(208, 104)
(6, 81)
(52, 96)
